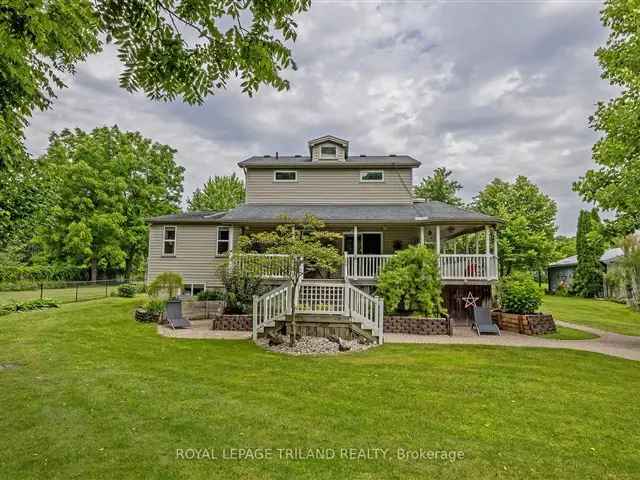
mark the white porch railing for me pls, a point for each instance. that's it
(366, 309)
(452, 266)
(266, 265)
(364, 267)
(468, 267)
(271, 306)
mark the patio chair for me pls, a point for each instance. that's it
(482, 321)
(173, 314)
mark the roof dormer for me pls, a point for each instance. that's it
(328, 148)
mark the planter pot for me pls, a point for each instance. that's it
(526, 324)
(417, 325)
(233, 322)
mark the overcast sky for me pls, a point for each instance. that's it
(487, 89)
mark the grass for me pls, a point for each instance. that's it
(565, 333)
(62, 295)
(602, 314)
(99, 396)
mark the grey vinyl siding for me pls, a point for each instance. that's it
(195, 258)
(316, 150)
(329, 186)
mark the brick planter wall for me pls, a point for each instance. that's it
(536, 324)
(233, 322)
(417, 325)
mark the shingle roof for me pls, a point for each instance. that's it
(607, 257)
(410, 213)
(350, 162)
(188, 217)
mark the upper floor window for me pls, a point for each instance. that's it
(372, 176)
(328, 152)
(285, 176)
(224, 240)
(169, 241)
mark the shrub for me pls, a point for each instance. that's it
(211, 295)
(410, 282)
(28, 305)
(519, 293)
(239, 289)
(127, 290)
(166, 282)
(38, 273)
(155, 306)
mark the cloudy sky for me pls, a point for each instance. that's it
(486, 88)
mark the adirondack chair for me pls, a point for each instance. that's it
(482, 321)
(173, 314)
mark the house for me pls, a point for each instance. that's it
(562, 271)
(368, 199)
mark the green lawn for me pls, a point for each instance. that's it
(565, 333)
(602, 314)
(98, 396)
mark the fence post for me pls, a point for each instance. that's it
(76, 292)
(41, 290)
(106, 288)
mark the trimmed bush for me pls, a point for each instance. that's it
(210, 295)
(410, 283)
(519, 293)
(127, 290)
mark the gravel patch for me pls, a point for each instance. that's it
(314, 346)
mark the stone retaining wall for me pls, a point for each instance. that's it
(233, 322)
(417, 325)
(536, 324)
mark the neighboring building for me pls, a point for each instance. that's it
(562, 271)
(368, 199)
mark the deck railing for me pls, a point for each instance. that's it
(365, 308)
(452, 266)
(271, 306)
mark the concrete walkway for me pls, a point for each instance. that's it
(613, 344)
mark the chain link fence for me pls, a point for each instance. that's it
(64, 292)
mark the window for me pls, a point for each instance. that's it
(328, 152)
(169, 241)
(193, 289)
(224, 240)
(285, 176)
(372, 176)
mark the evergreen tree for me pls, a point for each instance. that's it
(587, 281)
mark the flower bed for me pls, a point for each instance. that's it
(417, 325)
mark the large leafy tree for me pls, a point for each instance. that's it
(169, 48)
(440, 187)
(526, 241)
(564, 247)
(615, 184)
(106, 183)
(587, 281)
(218, 194)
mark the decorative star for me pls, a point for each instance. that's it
(470, 300)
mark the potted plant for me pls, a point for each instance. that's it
(167, 283)
(520, 298)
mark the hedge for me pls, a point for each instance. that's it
(41, 273)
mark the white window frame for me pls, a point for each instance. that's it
(275, 179)
(175, 240)
(328, 156)
(365, 172)
(190, 290)
(230, 241)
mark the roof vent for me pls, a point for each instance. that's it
(267, 156)
(362, 155)
(392, 154)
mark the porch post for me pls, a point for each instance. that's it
(438, 239)
(487, 239)
(421, 234)
(355, 240)
(477, 245)
(495, 241)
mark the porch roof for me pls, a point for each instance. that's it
(417, 213)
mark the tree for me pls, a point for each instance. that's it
(310, 249)
(563, 247)
(439, 187)
(410, 282)
(105, 184)
(587, 281)
(219, 194)
(169, 48)
(615, 184)
(526, 240)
